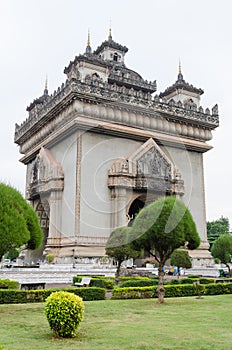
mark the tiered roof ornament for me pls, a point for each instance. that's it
(182, 90)
(39, 102)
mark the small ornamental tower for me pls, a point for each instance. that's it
(111, 51)
(182, 91)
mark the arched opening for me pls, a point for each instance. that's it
(95, 76)
(135, 207)
(115, 57)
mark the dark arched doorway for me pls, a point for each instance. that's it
(135, 207)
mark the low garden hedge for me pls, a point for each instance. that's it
(139, 283)
(8, 296)
(190, 281)
(133, 292)
(179, 290)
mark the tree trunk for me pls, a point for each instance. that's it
(117, 274)
(160, 289)
(229, 271)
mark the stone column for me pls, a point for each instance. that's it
(119, 202)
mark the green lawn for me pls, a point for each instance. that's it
(180, 323)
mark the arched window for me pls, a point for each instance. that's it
(115, 57)
(95, 76)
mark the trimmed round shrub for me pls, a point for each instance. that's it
(64, 312)
(10, 284)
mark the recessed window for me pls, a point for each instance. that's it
(115, 57)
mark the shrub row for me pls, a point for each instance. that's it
(9, 284)
(190, 281)
(8, 296)
(128, 278)
(139, 283)
(181, 290)
(133, 292)
(145, 282)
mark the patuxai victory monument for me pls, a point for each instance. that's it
(105, 144)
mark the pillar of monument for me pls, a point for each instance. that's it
(55, 220)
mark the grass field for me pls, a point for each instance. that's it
(180, 323)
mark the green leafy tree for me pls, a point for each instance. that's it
(19, 224)
(180, 258)
(117, 247)
(222, 249)
(217, 228)
(162, 227)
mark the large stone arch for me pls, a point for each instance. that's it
(148, 172)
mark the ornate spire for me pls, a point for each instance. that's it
(88, 47)
(180, 75)
(46, 86)
(110, 32)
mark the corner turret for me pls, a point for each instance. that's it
(182, 91)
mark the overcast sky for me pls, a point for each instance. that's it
(40, 37)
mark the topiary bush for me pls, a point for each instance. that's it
(10, 284)
(64, 312)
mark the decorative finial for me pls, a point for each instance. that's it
(88, 41)
(46, 86)
(88, 47)
(180, 75)
(110, 32)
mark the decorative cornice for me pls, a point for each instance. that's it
(120, 97)
(32, 147)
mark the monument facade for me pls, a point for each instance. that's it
(105, 144)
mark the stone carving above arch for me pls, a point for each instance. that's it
(150, 160)
(147, 168)
(46, 174)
